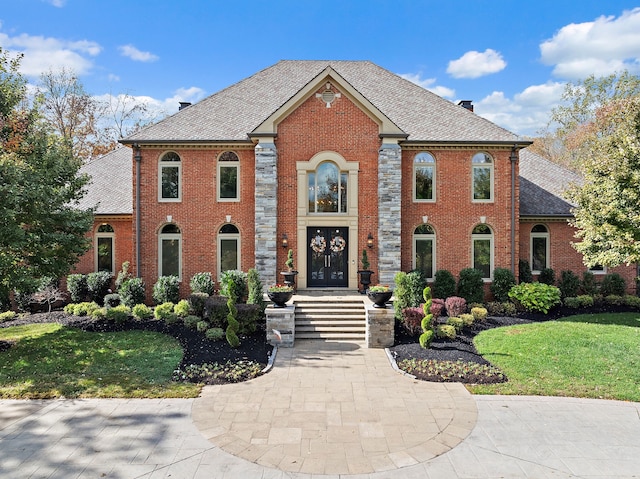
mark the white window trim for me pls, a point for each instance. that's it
(603, 271)
(432, 237)
(170, 236)
(228, 164)
(491, 167)
(547, 249)
(169, 164)
(113, 249)
(227, 236)
(417, 165)
(491, 248)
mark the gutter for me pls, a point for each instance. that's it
(138, 158)
(514, 159)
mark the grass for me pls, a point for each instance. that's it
(51, 361)
(591, 356)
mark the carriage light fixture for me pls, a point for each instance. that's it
(285, 240)
(370, 241)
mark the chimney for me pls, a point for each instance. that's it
(183, 105)
(466, 104)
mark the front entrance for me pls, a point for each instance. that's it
(327, 257)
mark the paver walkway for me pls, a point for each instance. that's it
(335, 408)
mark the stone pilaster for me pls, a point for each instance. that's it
(266, 181)
(389, 216)
(380, 327)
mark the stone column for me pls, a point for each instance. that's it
(389, 216)
(266, 181)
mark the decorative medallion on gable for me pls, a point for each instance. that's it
(328, 96)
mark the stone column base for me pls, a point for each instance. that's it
(281, 326)
(380, 327)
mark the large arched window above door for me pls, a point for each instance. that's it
(327, 189)
(228, 248)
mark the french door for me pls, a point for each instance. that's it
(327, 258)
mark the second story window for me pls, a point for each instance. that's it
(169, 177)
(424, 169)
(228, 169)
(327, 189)
(482, 177)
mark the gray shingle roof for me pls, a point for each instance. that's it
(232, 113)
(111, 186)
(542, 184)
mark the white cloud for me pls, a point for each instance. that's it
(475, 64)
(526, 113)
(427, 83)
(47, 53)
(604, 46)
(137, 55)
(57, 3)
(113, 77)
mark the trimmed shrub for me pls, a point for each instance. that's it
(426, 337)
(182, 308)
(7, 316)
(444, 284)
(446, 331)
(166, 290)
(164, 310)
(77, 287)
(613, 284)
(254, 285)
(202, 283)
(233, 326)
(172, 318)
(412, 320)
(118, 314)
(535, 297)
(85, 308)
(547, 276)
(437, 307)
(467, 319)
(494, 308)
(248, 317)
(239, 281)
(416, 282)
(509, 309)
(524, 272)
(142, 312)
(202, 326)
(98, 284)
(215, 311)
(191, 322)
(572, 302)
(132, 292)
(457, 323)
(99, 313)
(632, 301)
(214, 334)
(401, 294)
(471, 286)
(455, 306)
(569, 284)
(588, 285)
(585, 301)
(197, 302)
(480, 314)
(112, 300)
(503, 281)
(614, 300)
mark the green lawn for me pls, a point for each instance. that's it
(50, 361)
(593, 356)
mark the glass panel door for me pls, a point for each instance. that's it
(327, 258)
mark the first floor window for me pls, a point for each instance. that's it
(424, 246)
(483, 250)
(104, 248)
(539, 248)
(228, 248)
(170, 251)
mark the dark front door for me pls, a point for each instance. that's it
(327, 258)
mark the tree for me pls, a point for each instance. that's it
(607, 212)
(42, 229)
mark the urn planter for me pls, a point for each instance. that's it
(379, 298)
(365, 279)
(280, 298)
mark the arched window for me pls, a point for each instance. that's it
(482, 177)
(327, 189)
(539, 248)
(424, 250)
(170, 247)
(105, 252)
(228, 248)
(169, 177)
(228, 174)
(424, 177)
(482, 250)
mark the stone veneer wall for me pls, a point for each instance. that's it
(389, 216)
(266, 175)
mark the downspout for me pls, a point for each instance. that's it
(138, 158)
(514, 158)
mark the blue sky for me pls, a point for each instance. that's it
(511, 58)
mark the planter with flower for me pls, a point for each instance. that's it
(379, 294)
(290, 274)
(280, 294)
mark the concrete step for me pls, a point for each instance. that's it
(336, 319)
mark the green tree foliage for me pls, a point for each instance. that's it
(427, 322)
(42, 230)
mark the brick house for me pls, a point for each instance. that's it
(327, 158)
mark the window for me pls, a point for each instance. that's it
(598, 269)
(327, 189)
(424, 247)
(170, 251)
(105, 254)
(483, 250)
(539, 248)
(228, 166)
(170, 170)
(424, 165)
(228, 248)
(482, 177)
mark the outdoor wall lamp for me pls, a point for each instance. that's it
(285, 240)
(370, 241)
